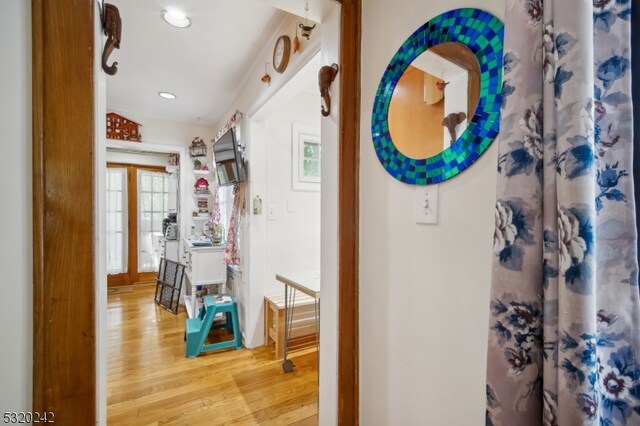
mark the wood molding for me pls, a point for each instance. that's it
(118, 280)
(348, 213)
(64, 347)
(38, 391)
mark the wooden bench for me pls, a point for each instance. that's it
(303, 325)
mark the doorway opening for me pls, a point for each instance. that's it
(287, 235)
(63, 123)
(138, 199)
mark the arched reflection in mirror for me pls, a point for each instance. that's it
(444, 81)
(483, 34)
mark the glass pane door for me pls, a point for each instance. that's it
(117, 220)
(153, 201)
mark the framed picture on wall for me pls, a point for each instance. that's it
(306, 158)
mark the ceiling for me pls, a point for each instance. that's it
(202, 64)
(318, 9)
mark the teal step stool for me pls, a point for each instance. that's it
(198, 328)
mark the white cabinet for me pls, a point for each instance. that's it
(167, 249)
(203, 266)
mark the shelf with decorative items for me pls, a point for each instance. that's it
(202, 204)
(201, 192)
(205, 227)
(201, 187)
(199, 167)
(197, 148)
(201, 195)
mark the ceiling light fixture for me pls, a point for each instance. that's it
(176, 18)
(167, 95)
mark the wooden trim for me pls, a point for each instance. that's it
(146, 277)
(348, 213)
(138, 166)
(39, 385)
(118, 280)
(64, 347)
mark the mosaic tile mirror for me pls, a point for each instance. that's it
(437, 108)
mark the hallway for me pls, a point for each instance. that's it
(150, 382)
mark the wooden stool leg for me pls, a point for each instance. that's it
(280, 335)
(267, 322)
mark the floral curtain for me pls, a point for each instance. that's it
(215, 213)
(231, 256)
(564, 338)
(233, 121)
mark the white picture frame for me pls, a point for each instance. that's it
(306, 158)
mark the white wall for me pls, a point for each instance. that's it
(146, 159)
(328, 401)
(424, 289)
(165, 132)
(293, 236)
(100, 217)
(290, 242)
(16, 260)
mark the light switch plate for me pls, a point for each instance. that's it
(427, 204)
(271, 212)
(291, 206)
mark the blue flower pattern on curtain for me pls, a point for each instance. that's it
(564, 337)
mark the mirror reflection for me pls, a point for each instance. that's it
(433, 100)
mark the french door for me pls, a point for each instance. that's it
(137, 202)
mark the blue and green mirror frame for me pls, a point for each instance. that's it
(483, 34)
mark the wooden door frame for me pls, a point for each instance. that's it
(348, 212)
(132, 276)
(64, 286)
(64, 261)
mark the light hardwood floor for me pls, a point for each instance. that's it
(150, 382)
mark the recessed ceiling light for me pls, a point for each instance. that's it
(167, 95)
(176, 18)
